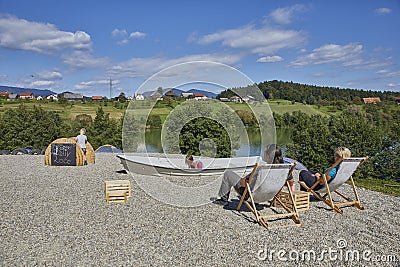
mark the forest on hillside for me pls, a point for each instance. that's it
(312, 94)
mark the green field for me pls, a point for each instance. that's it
(71, 110)
(283, 106)
(390, 187)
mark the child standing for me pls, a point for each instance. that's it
(81, 139)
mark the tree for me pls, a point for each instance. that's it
(23, 127)
(133, 133)
(154, 121)
(104, 130)
(312, 142)
(198, 121)
(204, 136)
(247, 117)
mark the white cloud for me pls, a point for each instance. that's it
(137, 35)
(49, 75)
(42, 84)
(285, 15)
(103, 83)
(265, 40)
(382, 71)
(123, 42)
(347, 54)
(141, 67)
(118, 32)
(390, 74)
(383, 11)
(269, 59)
(123, 33)
(20, 34)
(79, 59)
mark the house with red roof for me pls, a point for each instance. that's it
(200, 97)
(4, 94)
(97, 98)
(371, 100)
(26, 95)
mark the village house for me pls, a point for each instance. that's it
(156, 96)
(97, 98)
(224, 99)
(248, 99)
(4, 94)
(53, 97)
(397, 100)
(186, 95)
(73, 97)
(371, 100)
(12, 97)
(26, 95)
(200, 97)
(235, 99)
(170, 93)
(139, 97)
(39, 98)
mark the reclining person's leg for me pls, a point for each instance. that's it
(230, 179)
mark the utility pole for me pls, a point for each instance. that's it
(110, 87)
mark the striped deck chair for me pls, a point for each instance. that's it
(347, 168)
(271, 178)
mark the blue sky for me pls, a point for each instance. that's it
(79, 45)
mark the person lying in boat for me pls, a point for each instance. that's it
(272, 155)
(193, 164)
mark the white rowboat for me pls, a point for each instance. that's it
(150, 165)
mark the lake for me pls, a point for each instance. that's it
(153, 142)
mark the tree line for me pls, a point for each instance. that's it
(312, 94)
(315, 137)
(36, 128)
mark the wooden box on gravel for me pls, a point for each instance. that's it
(117, 190)
(302, 200)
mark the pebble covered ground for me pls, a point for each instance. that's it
(58, 216)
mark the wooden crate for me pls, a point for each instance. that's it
(302, 200)
(117, 190)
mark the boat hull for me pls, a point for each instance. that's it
(147, 165)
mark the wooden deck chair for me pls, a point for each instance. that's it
(347, 168)
(271, 179)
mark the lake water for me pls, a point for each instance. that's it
(153, 142)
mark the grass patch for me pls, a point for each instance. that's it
(283, 106)
(379, 185)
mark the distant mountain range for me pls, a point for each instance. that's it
(43, 93)
(19, 90)
(178, 92)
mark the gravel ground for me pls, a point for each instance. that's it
(57, 216)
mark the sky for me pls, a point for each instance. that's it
(78, 46)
